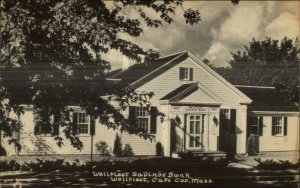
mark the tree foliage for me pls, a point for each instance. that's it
(267, 63)
(117, 151)
(127, 151)
(268, 53)
(52, 56)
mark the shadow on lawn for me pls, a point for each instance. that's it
(51, 173)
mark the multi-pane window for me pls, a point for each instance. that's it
(186, 73)
(41, 127)
(224, 113)
(255, 125)
(254, 128)
(196, 128)
(142, 118)
(82, 121)
(277, 125)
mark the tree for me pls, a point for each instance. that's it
(51, 57)
(118, 146)
(267, 63)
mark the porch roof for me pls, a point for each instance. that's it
(267, 99)
(185, 87)
(192, 93)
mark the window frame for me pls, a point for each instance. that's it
(141, 113)
(258, 124)
(280, 126)
(36, 119)
(186, 73)
(79, 124)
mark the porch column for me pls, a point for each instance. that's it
(241, 129)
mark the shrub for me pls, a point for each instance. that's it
(159, 149)
(11, 165)
(275, 165)
(128, 151)
(102, 148)
(2, 151)
(252, 145)
(45, 165)
(117, 146)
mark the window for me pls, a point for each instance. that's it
(224, 113)
(255, 125)
(82, 121)
(41, 127)
(185, 73)
(142, 118)
(145, 120)
(279, 126)
(228, 120)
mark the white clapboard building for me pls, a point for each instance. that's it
(204, 113)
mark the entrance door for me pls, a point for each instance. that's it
(195, 132)
(254, 131)
(227, 133)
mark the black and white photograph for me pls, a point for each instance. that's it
(149, 93)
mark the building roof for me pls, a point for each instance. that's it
(139, 74)
(267, 99)
(137, 71)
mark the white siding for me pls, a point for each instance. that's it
(169, 80)
(267, 142)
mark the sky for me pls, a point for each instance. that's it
(224, 28)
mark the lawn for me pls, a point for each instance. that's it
(158, 172)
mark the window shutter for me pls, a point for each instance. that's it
(191, 74)
(248, 125)
(232, 121)
(153, 120)
(67, 116)
(181, 73)
(132, 117)
(92, 125)
(56, 118)
(261, 125)
(285, 126)
(75, 122)
(273, 127)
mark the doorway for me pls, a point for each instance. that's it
(195, 132)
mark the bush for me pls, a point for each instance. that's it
(44, 165)
(159, 149)
(117, 146)
(275, 165)
(252, 145)
(102, 148)
(128, 151)
(2, 151)
(11, 165)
